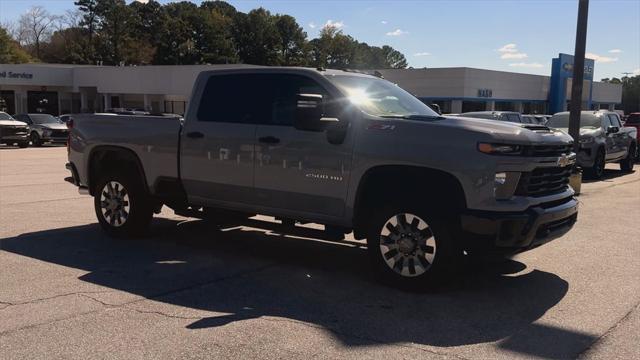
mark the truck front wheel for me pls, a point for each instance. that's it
(597, 170)
(411, 248)
(122, 206)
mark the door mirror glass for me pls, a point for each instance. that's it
(612, 129)
(309, 111)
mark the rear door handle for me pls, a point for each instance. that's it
(269, 140)
(195, 135)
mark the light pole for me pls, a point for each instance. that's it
(578, 74)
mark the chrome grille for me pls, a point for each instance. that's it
(544, 181)
(548, 150)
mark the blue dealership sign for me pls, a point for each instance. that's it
(562, 69)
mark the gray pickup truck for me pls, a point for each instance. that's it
(343, 149)
(603, 139)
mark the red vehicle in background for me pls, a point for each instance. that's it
(633, 120)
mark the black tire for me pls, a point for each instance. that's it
(140, 207)
(447, 254)
(35, 139)
(597, 170)
(23, 144)
(627, 163)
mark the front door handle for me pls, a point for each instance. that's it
(269, 140)
(195, 135)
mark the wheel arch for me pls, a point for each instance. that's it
(105, 157)
(378, 183)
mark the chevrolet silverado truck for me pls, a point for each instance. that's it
(603, 139)
(338, 148)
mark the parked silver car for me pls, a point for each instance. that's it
(13, 131)
(44, 128)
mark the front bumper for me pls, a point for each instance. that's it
(17, 137)
(507, 232)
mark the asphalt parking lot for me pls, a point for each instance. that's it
(189, 290)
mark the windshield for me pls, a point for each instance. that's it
(43, 119)
(381, 98)
(562, 121)
(5, 116)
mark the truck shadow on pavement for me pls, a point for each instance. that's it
(246, 273)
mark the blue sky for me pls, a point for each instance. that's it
(508, 35)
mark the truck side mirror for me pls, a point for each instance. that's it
(309, 111)
(612, 129)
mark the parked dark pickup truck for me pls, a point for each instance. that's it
(603, 139)
(338, 148)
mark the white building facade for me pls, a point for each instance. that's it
(58, 89)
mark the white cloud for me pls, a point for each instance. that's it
(636, 71)
(333, 24)
(143, 1)
(312, 25)
(615, 51)
(601, 59)
(510, 51)
(422, 54)
(515, 55)
(509, 48)
(384, 22)
(526, 65)
(397, 32)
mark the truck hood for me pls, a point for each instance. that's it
(12, 123)
(53, 126)
(511, 133)
(584, 132)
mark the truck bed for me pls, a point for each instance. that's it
(154, 139)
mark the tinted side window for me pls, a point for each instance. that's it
(268, 99)
(239, 98)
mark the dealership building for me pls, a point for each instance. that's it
(57, 89)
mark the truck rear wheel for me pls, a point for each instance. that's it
(411, 248)
(122, 205)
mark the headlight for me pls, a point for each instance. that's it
(500, 149)
(586, 140)
(46, 132)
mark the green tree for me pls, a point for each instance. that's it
(393, 58)
(631, 94)
(114, 40)
(90, 23)
(293, 41)
(214, 40)
(65, 46)
(10, 50)
(177, 35)
(257, 37)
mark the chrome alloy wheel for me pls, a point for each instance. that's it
(114, 203)
(407, 244)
